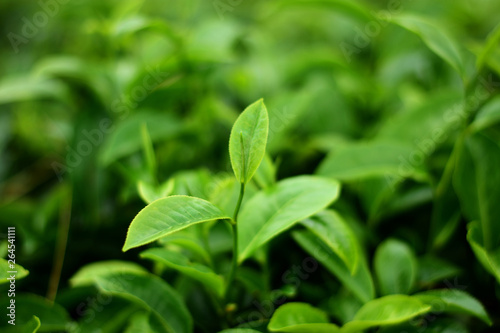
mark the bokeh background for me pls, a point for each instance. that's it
(81, 80)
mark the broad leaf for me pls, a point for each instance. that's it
(6, 269)
(181, 263)
(437, 325)
(247, 143)
(300, 318)
(20, 89)
(424, 126)
(365, 160)
(435, 38)
(360, 283)
(139, 323)
(152, 293)
(53, 317)
(454, 301)
(86, 275)
(188, 240)
(475, 181)
(334, 232)
(168, 215)
(113, 316)
(387, 310)
(395, 266)
(276, 209)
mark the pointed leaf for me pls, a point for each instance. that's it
(360, 283)
(6, 269)
(395, 267)
(300, 318)
(329, 226)
(31, 326)
(247, 143)
(454, 301)
(488, 115)
(276, 209)
(476, 181)
(387, 310)
(168, 215)
(489, 259)
(181, 263)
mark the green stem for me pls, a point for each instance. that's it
(234, 229)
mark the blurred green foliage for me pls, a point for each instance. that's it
(397, 99)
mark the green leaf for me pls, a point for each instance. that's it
(454, 301)
(476, 182)
(387, 310)
(148, 150)
(182, 264)
(491, 44)
(435, 39)
(114, 315)
(396, 267)
(150, 193)
(329, 226)
(188, 240)
(433, 269)
(86, 275)
(31, 326)
(139, 323)
(168, 215)
(153, 294)
(344, 305)
(360, 283)
(247, 143)
(266, 173)
(20, 89)
(125, 136)
(424, 125)
(226, 193)
(437, 325)
(300, 318)
(489, 259)
(367, 159)
(53, 317)
(276, 209)
(239, 330)
(488, 115)
(446, 213)
(5, 270)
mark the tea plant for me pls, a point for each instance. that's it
(183, 225)
(110, 108)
